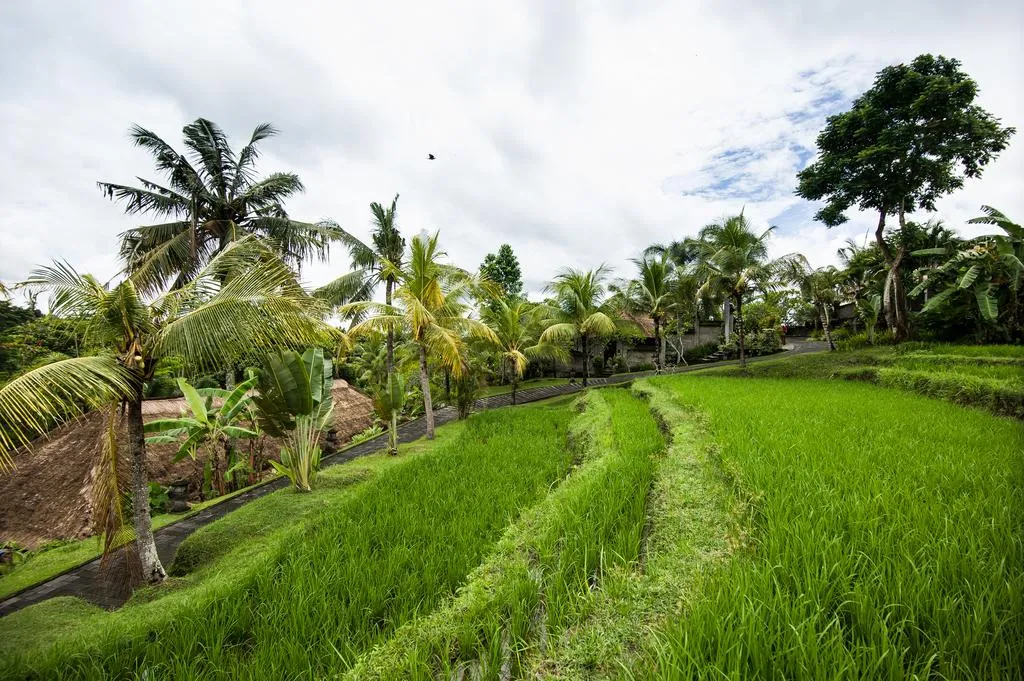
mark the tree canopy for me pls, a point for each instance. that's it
(503, 269)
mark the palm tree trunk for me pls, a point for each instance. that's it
(825, 325)
(515, 384)
(152, 570)
(660, 342)
(388, 284)
(586, 360)
(740, 331)
(428, 407)
(393, 433)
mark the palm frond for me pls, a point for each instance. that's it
(36, 401)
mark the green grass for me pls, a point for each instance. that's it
(545, 574)
(884, 538)
(50, 561)
(308, 595)
(686, 534)
(988, 377)
(525, 385)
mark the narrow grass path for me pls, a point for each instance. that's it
(689, 532)
(315, 594)
(551, 568)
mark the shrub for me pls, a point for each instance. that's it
(642, 366)
(158, 497)
(466, 390)
(699, 352)
(996, 396)
(841, 334)
(760, 343)
(373, 431)
(764, 342)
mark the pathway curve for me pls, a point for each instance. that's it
(86, 581)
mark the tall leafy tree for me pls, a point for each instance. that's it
(211, 197)
(579, 311)
(503, 270)
(915, 136)
(371, 266)
(733, 260)
(431, 306)
(205, 322)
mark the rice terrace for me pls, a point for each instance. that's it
(773, 429)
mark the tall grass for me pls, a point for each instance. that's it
(886, 538)
(542, 577)
(393, 550)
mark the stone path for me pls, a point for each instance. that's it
(86, 581)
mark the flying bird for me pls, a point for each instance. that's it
(431, 157)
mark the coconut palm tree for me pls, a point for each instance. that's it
(211, 198)
(368, 267)
(431, 307)
(732, 259)
(205, 322)
(651, 294)
(820, 287)
(516, 338)
(579, 311)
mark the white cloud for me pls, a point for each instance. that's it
(577, 134)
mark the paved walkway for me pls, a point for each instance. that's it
(86, 581)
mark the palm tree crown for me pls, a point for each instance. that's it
(212, 197)
(579, 311)
(245, 300)
(733, 259)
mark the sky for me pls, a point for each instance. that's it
(579, 133)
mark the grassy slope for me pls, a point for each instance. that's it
(320, 589)
(539, 580)
(525, 385)
(238, 546)
(989, 377)
(885, 538)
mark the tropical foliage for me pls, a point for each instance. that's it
(295, 402)
(733, 259)
(432, 301)
(209, 427)
(205, 321)
(579, 312)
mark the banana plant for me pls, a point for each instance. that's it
(389, 403)
(987, 268)
(294, 402)
(207, 425)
